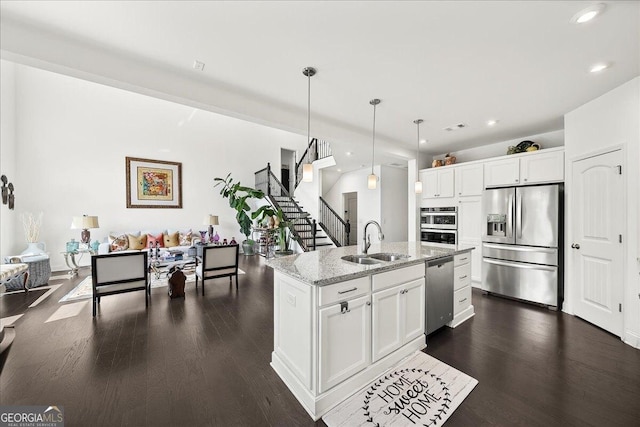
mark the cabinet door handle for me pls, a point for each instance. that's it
(368, 302)
(463, 277)
(516, 179)
(347, 291)
(463, 300)
(463, 259)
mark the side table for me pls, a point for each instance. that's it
(72, 262)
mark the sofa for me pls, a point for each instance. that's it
(164, 240)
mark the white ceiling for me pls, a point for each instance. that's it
(447, 62)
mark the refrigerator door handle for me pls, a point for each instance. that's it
(520, 248)
(510, 217)
(519, 216)
(519, 265)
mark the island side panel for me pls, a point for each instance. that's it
(293, 333)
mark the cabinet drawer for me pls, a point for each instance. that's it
(461, 276)
(461, 300)
(460, 259)
(343, 291)
(396, 277)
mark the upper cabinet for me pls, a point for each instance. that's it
(469, 180)
(437, 183)
(530, 168)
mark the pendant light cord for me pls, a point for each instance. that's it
(309, 114)
(418, 147)
(373, 146)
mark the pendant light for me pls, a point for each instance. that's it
(418, 185)
(372, 180)
(307, 168)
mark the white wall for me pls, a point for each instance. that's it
(369, 201)
(546, 140)
(612, 120)
(74, 135)
(395, 214)
(9, 221)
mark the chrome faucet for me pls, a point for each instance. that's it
(367, 239)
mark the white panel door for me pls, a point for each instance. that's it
(596, 211)
(413, 301)
(385, 322)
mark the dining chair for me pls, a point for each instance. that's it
(217, 261)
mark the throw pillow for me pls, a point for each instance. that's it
(118, 243)
(171, 240)
(152, 240)
(185, 237)
(137, 242)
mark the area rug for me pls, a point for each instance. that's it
(84, 290)
(419, 391)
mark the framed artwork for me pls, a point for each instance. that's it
(153, 183)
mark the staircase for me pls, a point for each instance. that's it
(304, 229)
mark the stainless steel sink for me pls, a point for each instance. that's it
(388, 256)
(360, 259)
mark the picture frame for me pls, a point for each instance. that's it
(153, 183)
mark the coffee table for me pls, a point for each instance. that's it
(159, 266)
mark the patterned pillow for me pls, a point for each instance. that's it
(171, 240)
(151, 240)
(137, 242)
(185, 237)
(118, 243)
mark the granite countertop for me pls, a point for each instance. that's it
(324, 267)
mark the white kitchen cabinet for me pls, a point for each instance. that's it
(542, 167)
(462, 308)
(397, 316)
(502, 172)
(470, 218)
(469, 180)
(323, 335)
(437, 183)
(345, 340)
(528, 168)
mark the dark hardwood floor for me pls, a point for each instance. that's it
(205, 361)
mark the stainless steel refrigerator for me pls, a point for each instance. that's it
(521, 243)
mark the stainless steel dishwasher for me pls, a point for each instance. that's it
(439, 293)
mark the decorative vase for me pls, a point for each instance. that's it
(35, 248)
(449, 159)
(247, 247)
(216, 238)
(203, 236)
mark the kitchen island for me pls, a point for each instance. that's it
(339, 324)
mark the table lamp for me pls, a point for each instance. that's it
(84, 223)
(211, 220)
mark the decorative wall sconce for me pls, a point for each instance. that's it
(7, 192)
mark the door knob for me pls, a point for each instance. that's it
(575, 246)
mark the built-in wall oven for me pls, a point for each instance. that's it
(438, 226)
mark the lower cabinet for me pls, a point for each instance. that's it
(462, 272)
(330, 341)
(345, 340)
(397, 316)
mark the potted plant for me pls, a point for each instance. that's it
(283, 233)
(239, 196)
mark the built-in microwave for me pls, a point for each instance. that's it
(445, 218)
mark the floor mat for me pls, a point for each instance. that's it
(420, 390)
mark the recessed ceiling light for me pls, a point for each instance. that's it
(423, 141)
(492, 122)
(348, 153)
(586, 15)
(596, 68)
(339, 170)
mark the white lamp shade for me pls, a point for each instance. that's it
(418, 187)
(211, 220)
(307, 172)
(84, 222)
(372, 182)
